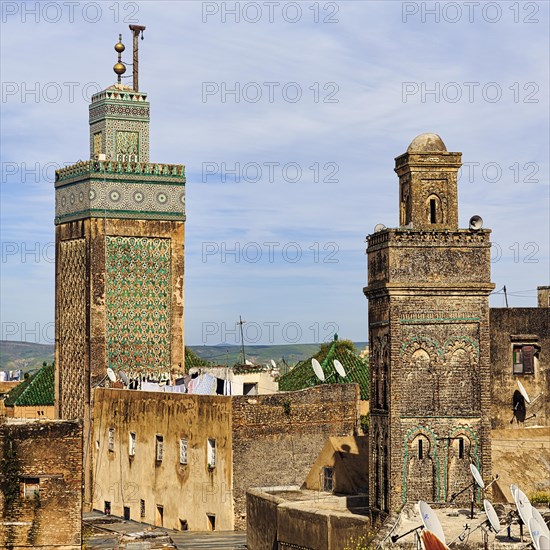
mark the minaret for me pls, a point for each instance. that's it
(428, 288)
(119, 256)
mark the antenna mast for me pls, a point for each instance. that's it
(136, 31)
(241, 322)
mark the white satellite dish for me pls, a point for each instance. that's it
(430, 521)
(339, 368)
(542, 524)
(318, 370)
(249, 363)
(477, 476)
(524, 506)
(535, 532)
(476, 222)
(523, 392)
(123, 377)
(492, 517)
(543, 542)
(513, 489)
(379, 227)
(111, 374)
(273, 364)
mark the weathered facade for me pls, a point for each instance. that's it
(41, 484)
(119, 259)
(520, 352)
(428, 287)
(265, 439)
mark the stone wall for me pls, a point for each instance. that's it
(41, 485)
(519, 325)
(277, 438)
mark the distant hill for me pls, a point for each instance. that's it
(290, 353)
(26, 356)
(29, 357)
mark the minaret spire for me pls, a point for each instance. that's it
(119, 67)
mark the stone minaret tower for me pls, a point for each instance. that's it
(428, 287)
(119, 257)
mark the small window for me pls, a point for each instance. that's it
(433, 211)
(420, 449)
(111, 440)
(211, 453)
(159, 448)
(524, 357)
(460, 447)
(159, 519)
(107, 507)
(184, 526)
(211, 522)
(328, 479)
(31, 488)
(141, 508)
(132, 444)
(183, 451)
(250, 389)
(127, 513)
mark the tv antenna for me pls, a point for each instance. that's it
(430, 523)
(317, 369)
(241, 323)
(339, 368)
(491, 523)
(478, 480)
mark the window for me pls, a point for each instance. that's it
(31, 488)
(132, 444)
(250, 389)
(211, 456)
(184, 526)
(127, 513)
(107, 507)
(141, 508)
(159, 519)
(524, 357)
(111, 440)
(211, 522)
(328, 479)
(420, 449)
(433, 207)
(159, 448)
(183, 451)
(460, 447)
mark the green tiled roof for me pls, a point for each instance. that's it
(192, 360)
(357, 369)
(36, 391)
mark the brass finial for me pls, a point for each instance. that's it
(119, 67)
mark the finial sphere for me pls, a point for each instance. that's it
(119, 47)
(119, 68)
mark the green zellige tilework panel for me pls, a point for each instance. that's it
(138, 304)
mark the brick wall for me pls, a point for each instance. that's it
(277, 438)
(46, 455)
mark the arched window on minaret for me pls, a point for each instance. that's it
(435, 211)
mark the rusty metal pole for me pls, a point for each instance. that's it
(136, 31)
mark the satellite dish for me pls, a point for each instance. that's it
(535, 532)
(339, 368)
(477, 476)
(543, 542)
(542, 524)
(247, 362)
(123, 377)
(513, 489)
(476, 223)
(430, 521)
(523, 505)
(111, 374)
(273, 364)
(318, 370)
(523, 392)
(492, 517)
(379, 227)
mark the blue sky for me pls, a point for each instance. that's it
(352, 120)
